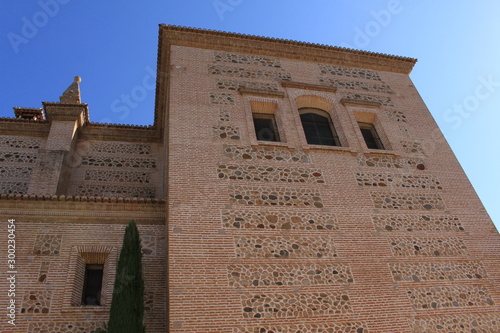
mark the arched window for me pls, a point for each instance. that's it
(318, 128)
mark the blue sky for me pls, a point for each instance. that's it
(112, 45)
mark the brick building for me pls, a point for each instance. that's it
(284, 187)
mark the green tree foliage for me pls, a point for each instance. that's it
(127, 305)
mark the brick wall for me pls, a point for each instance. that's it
(249, 250)
(54, 241)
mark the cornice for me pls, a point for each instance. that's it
(24, 127)
(346, 101)
(67, 112)
(261, 92)
(283, 48)
(77, 198)
(85, 216)
(308, 86)
(118, 132)
(76, 208)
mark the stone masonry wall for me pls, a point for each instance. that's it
(18, 157)
(289, 237)
(48, 249)
(116, 169)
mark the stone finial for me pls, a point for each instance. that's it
(72, 94)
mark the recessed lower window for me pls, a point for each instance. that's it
(370, 135)
(92, 285)
(265, 127)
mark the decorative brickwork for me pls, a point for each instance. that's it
(412, 147)
(407, 222)
(148, 245)
(350, 72)
(428, 247)
(295, 305)
(410, 201)
(285, 220)
(471, 323)
(354, 327)
(449, 297)
(115, 191)
(149, 300)
(19, 142)
(14, 187)
(15, 172)
(15, 178)
(118, 176)
(356, 85)
(386, 101)
(396, 115)
(246, 59)
(275, 196)
(121, 148)
(88, 326)
(284, 247)
(244, 276)
(44, 270)
(233, 71)
(226, 131)
(404, 131)
(224, 115)
(398, 180)
(269, 174)
(17, 157)
(382, 161)
(222, 98)
(235, 85)
(250, 153)
(36, 301)
(116, 169)
(438, 271)
(119, 162)
(47, 245)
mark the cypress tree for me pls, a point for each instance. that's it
(127, 305)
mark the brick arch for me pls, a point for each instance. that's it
(312, 101)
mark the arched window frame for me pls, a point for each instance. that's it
(314, 137)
